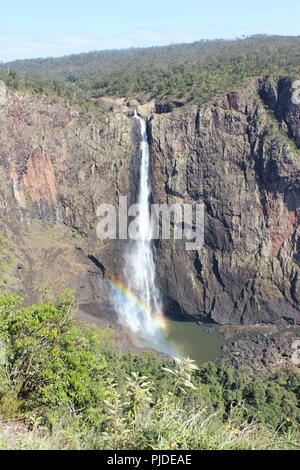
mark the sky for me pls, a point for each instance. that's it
(35, 28)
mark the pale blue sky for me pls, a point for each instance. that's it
(36, 28)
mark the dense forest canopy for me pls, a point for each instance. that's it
(185, 72)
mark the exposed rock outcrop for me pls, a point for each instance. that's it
(261, 352)
(237, 154)
(232, 156)
(58, 164)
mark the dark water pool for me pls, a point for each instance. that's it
(199, 342)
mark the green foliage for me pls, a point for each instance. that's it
(183, 72)
(175, 421)
(268, 399)
(38, 83)
(182, 375)
(50, 361)
(73, 389)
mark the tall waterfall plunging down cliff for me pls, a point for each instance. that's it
(141, 308)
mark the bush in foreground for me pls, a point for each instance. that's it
(64, 386)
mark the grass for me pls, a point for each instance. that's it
(164, 427)
(65, 386)
(273, 129)
(133, 419)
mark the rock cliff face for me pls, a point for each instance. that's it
(238, 154)
(57, 164)
(232, 156)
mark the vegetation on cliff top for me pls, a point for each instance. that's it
(68, 387)
(185, 72)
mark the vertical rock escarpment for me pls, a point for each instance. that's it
(233, 155)
(237, 154)
(57, 164)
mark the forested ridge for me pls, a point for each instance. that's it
(186, 72)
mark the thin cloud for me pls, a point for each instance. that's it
(20, 45)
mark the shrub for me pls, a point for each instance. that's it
(50, 360)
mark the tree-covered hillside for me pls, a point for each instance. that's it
(186, 72)
(68, 387)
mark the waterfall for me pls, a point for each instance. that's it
(141, 309)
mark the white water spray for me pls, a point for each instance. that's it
(143, 315)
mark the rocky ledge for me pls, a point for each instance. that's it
(238, 154)
(265, 351)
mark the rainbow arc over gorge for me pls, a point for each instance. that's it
(122, 289)
(138, 306)
(126, 294)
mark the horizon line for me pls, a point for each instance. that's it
(172, 44)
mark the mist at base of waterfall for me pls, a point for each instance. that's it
(140, 303)
(158, 342)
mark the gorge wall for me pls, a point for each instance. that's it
(238, 154)
(58, 164)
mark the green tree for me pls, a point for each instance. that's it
(50, 360)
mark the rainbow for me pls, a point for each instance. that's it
(128, 295)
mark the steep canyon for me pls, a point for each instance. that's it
(238, 154)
